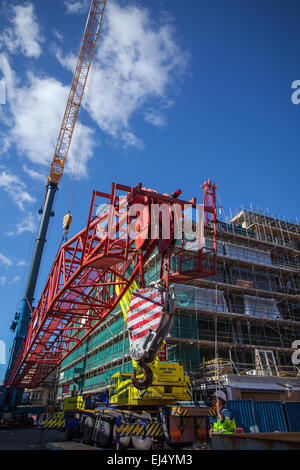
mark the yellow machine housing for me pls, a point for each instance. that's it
(170, 385)
(74, 403)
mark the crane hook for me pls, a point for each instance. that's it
(66, 223)
(146, 381)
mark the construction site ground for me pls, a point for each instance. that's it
(50, 439)
(28, 438)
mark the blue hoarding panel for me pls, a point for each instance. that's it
(292, 410)
(269, 416)
(243, 413)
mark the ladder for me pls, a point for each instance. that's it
(265, 362)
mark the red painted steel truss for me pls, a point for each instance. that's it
(111, 251)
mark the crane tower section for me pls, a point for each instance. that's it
(82, 68)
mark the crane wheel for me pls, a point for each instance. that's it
(104, 434)
(142, 443)
(146, 381)
(123, 441)
(88, 428)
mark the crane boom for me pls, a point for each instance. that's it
(96, 267)
(87, 48)
(76, 91)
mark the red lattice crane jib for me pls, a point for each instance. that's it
(94, 269)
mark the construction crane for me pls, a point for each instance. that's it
(95, 268)
(80, 76)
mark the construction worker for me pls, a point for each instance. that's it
(223, 422)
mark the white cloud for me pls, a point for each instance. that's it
(21, 263)
(4, 281)
(24, 33)
(27, 224)
(6, 143)
(68, 60)
(136, 67)
(36, 110)
(5, 260)
(34, 174)
(2, 91)
(77, 6)
(9, 76)
(57, 34)
(155, 118)
(83, 143)
(16, 189)
(15, 279)
(11, 81)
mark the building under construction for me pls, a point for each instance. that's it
(236, 329)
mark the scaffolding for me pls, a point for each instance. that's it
(251, 304)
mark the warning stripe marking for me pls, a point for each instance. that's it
(53, 423)
(138, 300)
(142, 393)
(147, 323)
(142, 328)
(148, 430)
(146, 310)
(142, 333)
(134, 318)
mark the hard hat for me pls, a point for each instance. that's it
(221, 395)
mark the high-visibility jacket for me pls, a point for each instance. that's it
(225, 425)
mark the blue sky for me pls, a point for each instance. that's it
(181, 92)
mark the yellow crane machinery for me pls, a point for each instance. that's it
(144, 426)
(169, 385)
(144, 418)
(55, 418)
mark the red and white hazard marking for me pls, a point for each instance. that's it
(146, 308)
(143, 318)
